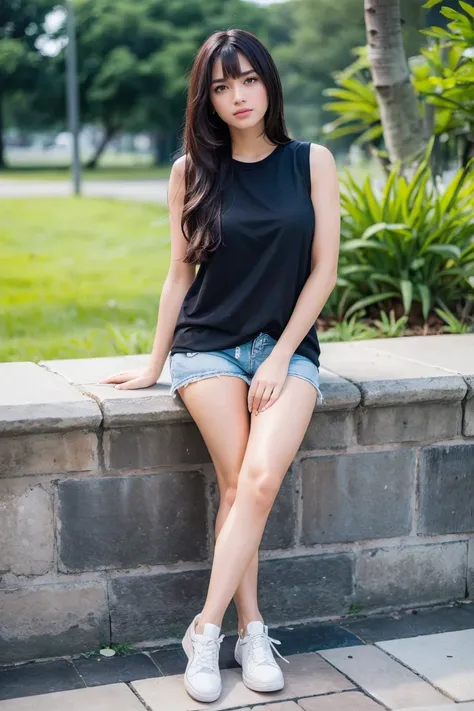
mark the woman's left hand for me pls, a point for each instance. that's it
(267, 383)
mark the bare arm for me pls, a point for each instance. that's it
(180, 275)
(178, 280)
(325, 251)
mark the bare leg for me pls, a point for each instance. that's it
(219, 408)
(275, 437)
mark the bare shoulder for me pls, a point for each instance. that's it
(176, 182)
(177, 169)
(321, 159)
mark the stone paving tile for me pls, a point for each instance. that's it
(301, 639)
(402, 624)
(467, 606)
(346, 701)
(98, 671)
(38, 678)
(383, 678)
(279, 706)
(306, 675)
(170, 661)
(446, 660)
(113, 697)
(449, 707)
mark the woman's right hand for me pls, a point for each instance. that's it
(132, 379)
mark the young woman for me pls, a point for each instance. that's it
(259, 213)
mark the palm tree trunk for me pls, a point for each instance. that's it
(402, 126)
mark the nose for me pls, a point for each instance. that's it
(239, 94)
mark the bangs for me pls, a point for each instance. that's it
(230, 61)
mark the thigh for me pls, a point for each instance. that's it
(218, 405)
(276, 434)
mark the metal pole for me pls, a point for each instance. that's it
(72, 96)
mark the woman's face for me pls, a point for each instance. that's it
(241, 102)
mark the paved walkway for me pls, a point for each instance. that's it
(141, 190)
(369, 670)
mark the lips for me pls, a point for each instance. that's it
(243, 112)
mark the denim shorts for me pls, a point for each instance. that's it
(239, 361)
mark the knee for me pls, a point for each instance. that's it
(260, 489)
(228, 494)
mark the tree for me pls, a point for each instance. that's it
(402, 125)
(21, 23)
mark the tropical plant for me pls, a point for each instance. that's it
(448, 81)
(453, 324)
(411, 242)
(442, 75)
(461, 28)
(389, 327)
(349, 329)
(356, 103)
(463, 324)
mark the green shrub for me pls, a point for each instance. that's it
(411, 242)
(389, 326)
(349, 329)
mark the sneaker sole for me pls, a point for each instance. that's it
(188, 649)
(262, 686)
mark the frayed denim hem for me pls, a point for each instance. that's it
(319, 399)
(203, 376)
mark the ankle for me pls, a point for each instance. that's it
(243, 622)
(199, 626)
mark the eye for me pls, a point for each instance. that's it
(218, 87)
(252, 79)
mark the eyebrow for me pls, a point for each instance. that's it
(243, 74)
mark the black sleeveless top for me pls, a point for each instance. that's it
(252, 281)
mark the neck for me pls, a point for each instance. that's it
(250, 143)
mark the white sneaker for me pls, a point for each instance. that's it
(260, 671)
(202, 678)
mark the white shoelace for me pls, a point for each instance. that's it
(207, 654)
(260, 648)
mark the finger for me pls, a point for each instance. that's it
(251, 395)
(265, 398)
(255, 399)
(116, 378)
(258, 397)
(273, 399)
(129, 384)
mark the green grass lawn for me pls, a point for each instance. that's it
(107, 172)
(80, 277)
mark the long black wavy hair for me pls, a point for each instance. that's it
(207, 143)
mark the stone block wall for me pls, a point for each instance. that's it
(108, 499)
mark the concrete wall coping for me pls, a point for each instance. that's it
(385, 378)
(60, 395)
(34, 399)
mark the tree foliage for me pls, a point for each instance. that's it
(21, 65)
(134, 58)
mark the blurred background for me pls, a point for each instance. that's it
(81, 276)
